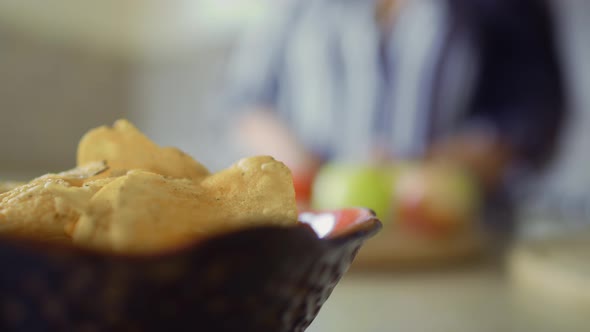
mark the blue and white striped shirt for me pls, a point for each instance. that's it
(345, 84)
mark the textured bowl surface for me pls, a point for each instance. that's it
(263, 279)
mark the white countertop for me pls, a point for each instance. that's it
(474, 299)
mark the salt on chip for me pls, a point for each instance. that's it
(146, 212)
(124, 147)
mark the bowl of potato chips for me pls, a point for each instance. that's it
(143, 238)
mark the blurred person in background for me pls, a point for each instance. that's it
(474, 83)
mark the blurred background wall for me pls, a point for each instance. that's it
(74, 65)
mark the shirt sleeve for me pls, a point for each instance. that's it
(519, 91)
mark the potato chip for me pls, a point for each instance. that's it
(145, 212)
(124, 147)
(33, 210)
(129, 195)
(9, 185)
(81, 174)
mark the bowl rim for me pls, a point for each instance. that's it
(365, 223)
(363, 227)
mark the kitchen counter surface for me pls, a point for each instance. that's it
(469, 299)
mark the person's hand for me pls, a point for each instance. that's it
(484, 155)
(436, 198)
(262, 132)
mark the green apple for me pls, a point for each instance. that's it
(347, 185)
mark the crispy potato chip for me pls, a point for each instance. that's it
(146, 212)
(256, 187)
(33, 209)
(9, 185)
(79, 175)
(85, 172)
(130, 195)
(124, 147)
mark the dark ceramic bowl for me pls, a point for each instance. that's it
(263, 279)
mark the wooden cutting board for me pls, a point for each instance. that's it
(395, 247)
